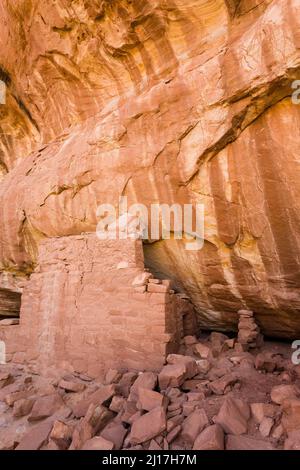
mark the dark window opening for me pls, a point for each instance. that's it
(10, 304)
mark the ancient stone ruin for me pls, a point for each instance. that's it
(90, 305)
(138, 341)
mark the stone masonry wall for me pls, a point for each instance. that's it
(81, 312)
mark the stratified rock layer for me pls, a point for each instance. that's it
(163, 101)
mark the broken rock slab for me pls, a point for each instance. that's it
(146, 380)
(148, 426)
(261, 410)
(233, 416)
(148, 399)
(279, 393)
(61, 434)
(246, 443)
(6, 378)
(193, 425)
(201, 350)
(114, 432)
(291, 414)
(224, 384)
(45, 407)
(212, 438)
(100, 397)
(293, 441)
(172, 376)
(266, 426)
(98, 443)
(36, 437)
(189, 363)
(71, 386)
(23, 407)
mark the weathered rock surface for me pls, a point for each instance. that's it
(159, 101)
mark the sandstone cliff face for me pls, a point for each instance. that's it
(161, 101)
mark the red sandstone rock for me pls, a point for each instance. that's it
(129, 411)
(223, 385)
(174, 421)
(96, 418)
(133, 417)
(35, 437)
(98, 443)
(157, 288)
(23, 407)
(114, 432)
(201, 350)
(148, 426)
(233, 416)
(189, 363)
(10, 389)
(265, 362)
(280, 393)
(229, 343)
(266, 426)
(212, 438)
(112, 376)
(146, 380)
(141, 280)
(261, 410)
(194, 384)
(117, 403)
(61, 434)
(176, 405)
(193, 425)
(148, 399)
(172, 376)
(71, 386)
(190, 340)
(50, 446)
(175, 394)
(172, 435)
(125, 383)
(189, 407)
(246, 443)
(203, 366)
(45, 406)
(11, 398)
(278, 431)
(152, 280)
(293, 441)
(154, 446)
(291, 414)
(83, 432)
(217, 338)
(6, 379)
(140, 125)
(100, 397)
(172, 414)
(195, 396)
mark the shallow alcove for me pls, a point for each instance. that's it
(10, 304)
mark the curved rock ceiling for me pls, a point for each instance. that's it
(162, 101)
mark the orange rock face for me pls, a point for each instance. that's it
(164, 101)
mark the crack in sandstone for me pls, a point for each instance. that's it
(244, 119)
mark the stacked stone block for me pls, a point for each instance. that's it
(248, 331)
